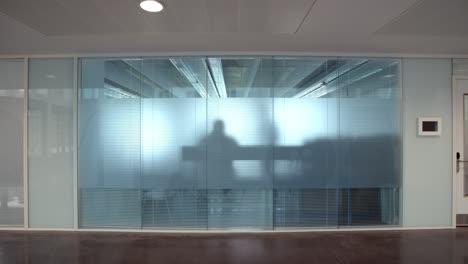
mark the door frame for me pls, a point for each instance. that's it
(455, 115)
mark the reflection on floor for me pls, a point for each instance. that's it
(419, 246)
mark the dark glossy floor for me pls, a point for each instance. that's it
(422, 246)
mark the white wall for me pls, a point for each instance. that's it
(427, 161)
(460, 67)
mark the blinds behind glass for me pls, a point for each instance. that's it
(238, 143)
(11, 142)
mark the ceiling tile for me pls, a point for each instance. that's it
(84, 17)
(431, 18)
(348, 18)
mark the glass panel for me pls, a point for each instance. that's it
(141, 163)
(238, 142)
(50, 143)
(109, 139)
(369, 143)
(305, 143)
(173, 159)
(11, 142)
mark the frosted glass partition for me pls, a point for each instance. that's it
(110, 143)
(238, 142)
(11, 142)
(368, 147)
(51, 150)
(305, 134)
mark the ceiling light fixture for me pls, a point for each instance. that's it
(151, 5)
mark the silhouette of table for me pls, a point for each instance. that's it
(249, 153)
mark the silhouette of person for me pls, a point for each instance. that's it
(220, 149)
(220, 170)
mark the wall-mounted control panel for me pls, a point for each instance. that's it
(429, 126)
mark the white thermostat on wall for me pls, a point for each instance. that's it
(429, 126)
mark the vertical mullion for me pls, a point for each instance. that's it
(75, 143)
(401, 109)
(273, 143)
(25, 142)
(205, 172)
(140, 191)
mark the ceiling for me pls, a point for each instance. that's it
(235, 26)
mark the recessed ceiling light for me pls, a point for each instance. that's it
(151, 6)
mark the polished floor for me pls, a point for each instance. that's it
(421, 246)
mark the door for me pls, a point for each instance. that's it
(460, 98)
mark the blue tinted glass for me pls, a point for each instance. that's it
(238, 142)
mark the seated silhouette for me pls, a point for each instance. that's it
(220, 149)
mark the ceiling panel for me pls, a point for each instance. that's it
(350, 18)
(232, 27)
(432, 18)
(82, 17)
